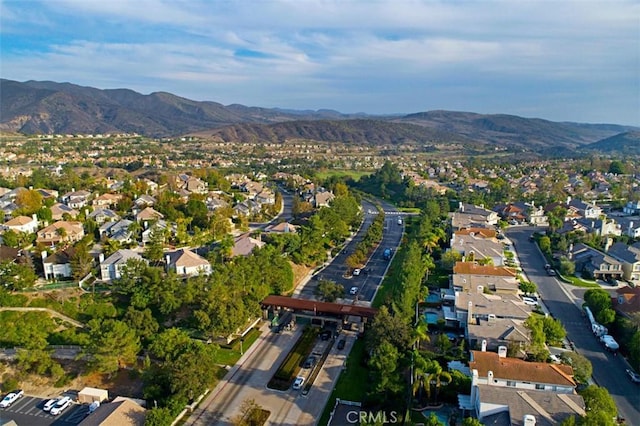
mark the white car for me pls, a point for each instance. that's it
(61, 405)
(353, 290)
(50, 403)
(356, 272)
(11, 397)
(298, 382)
(530, 301)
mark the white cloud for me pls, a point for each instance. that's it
(341, 54)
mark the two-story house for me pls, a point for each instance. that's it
(24, 224)
(471, 216)
(629, 257)
(595, 263)
(111, 267)
(60, 232)
(59, 211)
(77, 199)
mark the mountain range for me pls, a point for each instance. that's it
(44, 107)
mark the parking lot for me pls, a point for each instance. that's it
(27, 411)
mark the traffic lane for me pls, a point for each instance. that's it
(608, 369)
(29, 411)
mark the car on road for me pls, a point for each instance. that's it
(309, 362)
(297, 384)
(551, 272)
(341, 343)
(356, 272)
(635, 377)
(60, 406)
(11, 397)
(50, 403)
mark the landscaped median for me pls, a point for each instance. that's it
(290, 367)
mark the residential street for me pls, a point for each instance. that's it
(564, 302)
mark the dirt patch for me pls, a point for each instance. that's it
(299, 273)
(124, 383)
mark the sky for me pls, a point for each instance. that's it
(558, 60)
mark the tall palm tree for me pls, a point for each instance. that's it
(436, 377)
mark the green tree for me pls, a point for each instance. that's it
(567, 267)
(528, 287)
(449, 259)
(554, 331)
(81, 262)
(545, 244)
(159, 416)
(599, 302)
(112, 345)
(329, 291)
(470, 421)
(383, 363)
(436, 377)
(388, 328)
(597, 399)
(582, 368)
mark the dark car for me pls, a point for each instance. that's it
(341, 343)
(310, 362)
(635, 377)
(326, 335)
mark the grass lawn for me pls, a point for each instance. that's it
(579, 282)
(354, 174)
(353, 382)
(231, 355)
(289, 368)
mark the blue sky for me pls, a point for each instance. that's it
(558, 60)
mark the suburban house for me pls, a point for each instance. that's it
(475, 247)
(107, 200)
(281, 228)
(627, 301)
(118, 231)
(243, 245)
(595, 263)
(629, 225)
(60, 232)
(469, 276)
(58, 265)
(58, 211)
(187, 263)
(111, 267)
(583, 209)
(323, 199)
(497, 370)
(471, 216)
(632, 208)
(603, 226)
(629, 257)
(102, 215)
(494, 332)
(147, 215)
(159, 226)
(10, 254)
(25, 224)
(76, 199)
(144, 201)
(471, 307)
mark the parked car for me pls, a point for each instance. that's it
(297, 384)
(325, 335)
(635, 377)
(529, 301)
(50, 403)
(341, 343)
(60, 406)
(353, 290)
(356, 272)
(11, 397)
(551, 272)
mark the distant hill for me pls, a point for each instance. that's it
(64, 108)
(625, 144)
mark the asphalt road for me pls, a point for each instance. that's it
(375, 268)
(564, 301)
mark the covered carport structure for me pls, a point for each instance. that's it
(318, 311)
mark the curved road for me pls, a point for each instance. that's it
(564, 301)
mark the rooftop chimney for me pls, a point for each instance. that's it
(484, 345)
(502, 351)
(529, 420)
(470, 312)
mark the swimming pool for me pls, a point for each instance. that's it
(431, 317)
(432, 298)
